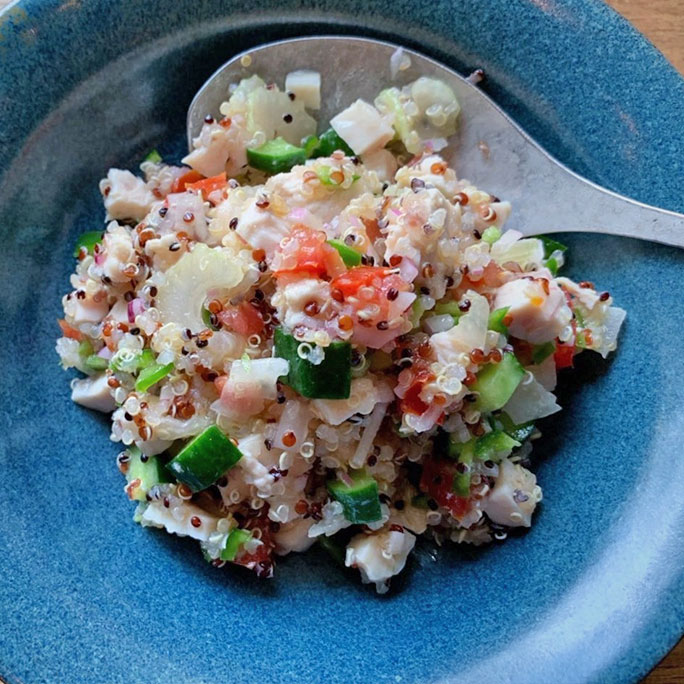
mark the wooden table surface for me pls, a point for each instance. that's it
(662, 21)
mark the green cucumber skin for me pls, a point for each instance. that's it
(331, 379)
(361, 502)
(275, 156)
(204, 459)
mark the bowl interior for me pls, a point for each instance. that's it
(93, 597)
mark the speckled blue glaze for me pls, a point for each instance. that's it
(592, 594)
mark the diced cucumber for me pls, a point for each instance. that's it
(204, 459)
(360, 500)
(143, 474)
(496, 382)
(151, 375)
(330, 379)
(88, 240)
(496, 319)
(351, 257)
(540, 352)
(235, 541)
(494, 446)
(518, 432)
(328, 143)
(276, 156)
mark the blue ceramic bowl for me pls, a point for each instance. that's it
(592, 594)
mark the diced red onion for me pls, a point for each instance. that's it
(298, 214)
(135, 306)
(407, 269)
(105, 353)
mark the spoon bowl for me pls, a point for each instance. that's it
(490, 149)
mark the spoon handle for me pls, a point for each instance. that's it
(581, 205)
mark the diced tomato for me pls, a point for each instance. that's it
(181, 183)
(208, 185)
(243, 319)
(307, 253)
(411, 402)
(70, 332)
(354, 279)
(564, 354)
(437, 482)
(565, 351)
(370, 286)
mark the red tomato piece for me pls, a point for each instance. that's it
(243, 319)
(208, 185)
(306, 252)
(181, 183)
(70, 332)
(437, 482)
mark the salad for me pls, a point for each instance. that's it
(323, 338)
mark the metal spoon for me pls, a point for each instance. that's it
(490, 149)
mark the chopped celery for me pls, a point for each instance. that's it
(131, 361)
(540, 352)
(418, 308)
(143, 473)
(360, 500)
(496, 319)
(153, 156)
(494, 446)
(275, 156)
(235, 541)
(151, 375)
(88, 240)
(330, 379)
(96, 363)
(496, 382)
(351, 257)
(324, 175)
(334, 548)
(450, 307)
(204, 459)
(85, 349)
(491, 235)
